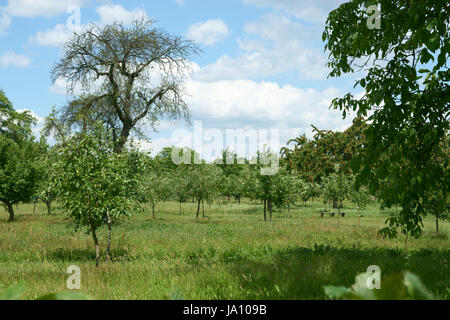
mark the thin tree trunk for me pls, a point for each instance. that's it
(34, 206)
(289, 208)
(339, 215)
(270, 209)
(11, 212)
(265, 219)
(406, 245)
(198, 208)
(108, 246)
(97, 254)
(180, 207)
(437, 222)
(153, 211)
(49, 207)
(203, 208)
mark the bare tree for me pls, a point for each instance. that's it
(123, 75)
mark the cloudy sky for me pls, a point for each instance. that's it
(262, 66)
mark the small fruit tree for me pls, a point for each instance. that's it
(96, 185)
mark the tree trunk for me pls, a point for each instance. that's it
(270, 209)
(11, 212)
(437, 222)
(123, 138)
(203, 208)
(49, 207)
(339, 215)
(335, 205)
(153, 211)
(198, 208)
(34, 206)
(97, 255)
(265, 219)
(180, 207)
(108, 245)
(406, 245)
(239, 200)
(289, 208)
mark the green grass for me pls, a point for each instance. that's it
(230, 254)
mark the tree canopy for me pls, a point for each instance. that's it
(406, 77)
(124, 75)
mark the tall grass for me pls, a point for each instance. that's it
(230, 254)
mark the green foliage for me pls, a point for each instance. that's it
(154, 188)
(360, 197)
(336, 187)
(14, 125)
(315, 159)
(18, 151)
(405, 72)
(93, 180)
(204, 181)
(47, 166)
(97, 186)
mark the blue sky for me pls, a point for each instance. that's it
(262, 65)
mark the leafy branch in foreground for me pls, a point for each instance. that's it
(401, 286)
(405, 76)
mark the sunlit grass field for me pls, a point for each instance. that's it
(230, 254)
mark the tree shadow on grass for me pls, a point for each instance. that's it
(301, 273)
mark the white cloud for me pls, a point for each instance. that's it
(55, 37)
(59, 87)
(208, 32)
(281, 46)
(116, 13)
(243, 102)
(108, 14)
(5, 21)
(314, 11)
(278, 28)
(180, 2)
(251, 105)
(12, 59)
(34, 8)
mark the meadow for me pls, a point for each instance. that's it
(230, 254)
